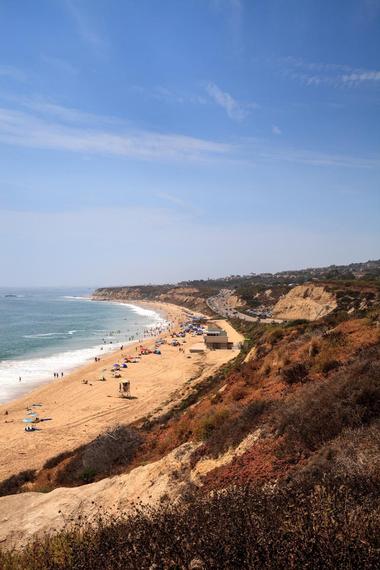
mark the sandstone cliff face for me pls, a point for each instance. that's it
(24, 515)
(185, 296)
(309, 302)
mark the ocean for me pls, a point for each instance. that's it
(43, 331)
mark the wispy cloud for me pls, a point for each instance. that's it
(333, 74)
(47, 125)
(234, 109)
(314, 158)
(12, 72)
(276, 130)
(46, 107)
(34, 131)
(356, 77)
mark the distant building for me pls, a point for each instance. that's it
(217, 338)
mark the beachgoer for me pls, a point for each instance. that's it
(61, 374)
(19, 378)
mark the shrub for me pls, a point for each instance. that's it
(57, 459)
(109, 450)
(14, 484)
(216, 398)
(328, 364)
(351, 459)
(210, 423)
(87, 475)
(296, 323)
(275, 335)
(319, 413)
(335, 338)
(238, 393)
(326, 527)
(294, 373)
(314, 348)
(117, 446)
(235, 428)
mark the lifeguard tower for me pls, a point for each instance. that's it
(125, 389)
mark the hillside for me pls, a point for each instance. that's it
(253, 294)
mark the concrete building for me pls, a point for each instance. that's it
(216, 338)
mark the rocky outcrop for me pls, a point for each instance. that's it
(309, 302)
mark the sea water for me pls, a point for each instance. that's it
(43, 331)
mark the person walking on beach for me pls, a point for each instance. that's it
(61, 374)
(19, 378)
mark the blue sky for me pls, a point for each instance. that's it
(145, 141)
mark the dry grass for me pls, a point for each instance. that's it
(241, 528)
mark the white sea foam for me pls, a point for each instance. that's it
(53, 334)
(35, 371)
(42, 335)
(157, 318)
(77, 297)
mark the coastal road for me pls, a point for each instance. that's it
(221, 305)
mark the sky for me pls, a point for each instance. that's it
(151, 142)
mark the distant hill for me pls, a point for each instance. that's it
(253, 292)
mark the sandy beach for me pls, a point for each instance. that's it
(79, 412)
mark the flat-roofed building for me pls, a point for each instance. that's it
(216, 338)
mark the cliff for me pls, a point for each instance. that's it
(189, 297)
(307, 302)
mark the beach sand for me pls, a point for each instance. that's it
(80, 411)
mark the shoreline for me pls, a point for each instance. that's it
(76, 412)
(89, 353)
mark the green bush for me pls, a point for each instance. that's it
(87, 475)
